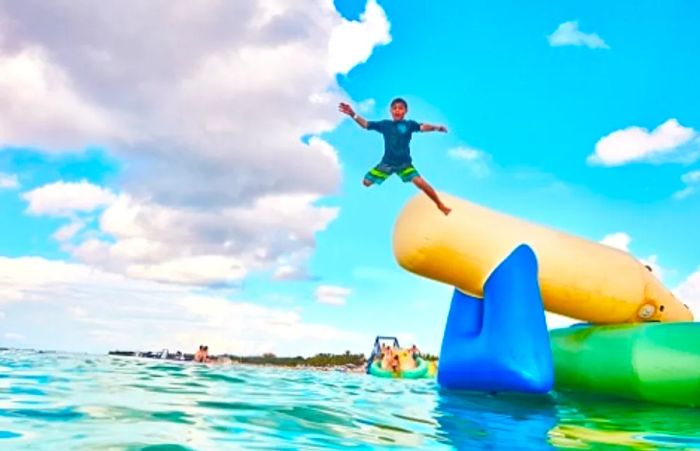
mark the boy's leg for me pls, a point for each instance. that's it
(376, 175)
(427, 189)
(410, 174)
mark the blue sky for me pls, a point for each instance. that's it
(155, 162)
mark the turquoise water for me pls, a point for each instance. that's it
(66, 401)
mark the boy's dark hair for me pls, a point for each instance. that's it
(399, 100)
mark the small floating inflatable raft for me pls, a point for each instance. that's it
(421, 370)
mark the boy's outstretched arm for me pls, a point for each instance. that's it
(433, 128)
(347, 109)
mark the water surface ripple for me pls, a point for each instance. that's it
(70, 401)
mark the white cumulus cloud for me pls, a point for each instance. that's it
(210, 246)
(669, 142)
(43, 109)
(8, 181)
(353, 41)
(205, 119)
(332, 295)
(68, 231)
(618, 240)
(691, 180)
(568, 33)
(202, 269)
(64, 199)
(75, 307)
(293, 266)
(476, 160)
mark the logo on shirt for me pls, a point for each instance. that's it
(402, 128)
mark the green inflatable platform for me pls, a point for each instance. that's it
(657, 362)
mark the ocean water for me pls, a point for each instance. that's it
(59, 401)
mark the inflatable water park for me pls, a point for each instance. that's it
(636, 340)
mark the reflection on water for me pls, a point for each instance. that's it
(585, 419)
(469, 420)
(564, 421)
(62, 401)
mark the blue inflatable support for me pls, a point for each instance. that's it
(500, 343)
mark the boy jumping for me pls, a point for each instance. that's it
(397, 154)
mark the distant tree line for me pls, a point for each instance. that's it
(319, 360)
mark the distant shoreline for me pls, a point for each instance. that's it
(347, 362)
(325, 362)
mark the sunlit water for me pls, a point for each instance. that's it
(64, 401)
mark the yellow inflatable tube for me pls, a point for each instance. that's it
(578, 278)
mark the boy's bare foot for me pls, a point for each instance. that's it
(445, 209)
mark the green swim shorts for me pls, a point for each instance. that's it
(383, 171)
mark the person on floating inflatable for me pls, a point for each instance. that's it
(202, 355)
(397, 153)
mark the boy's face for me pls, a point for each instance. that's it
(398, 111)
